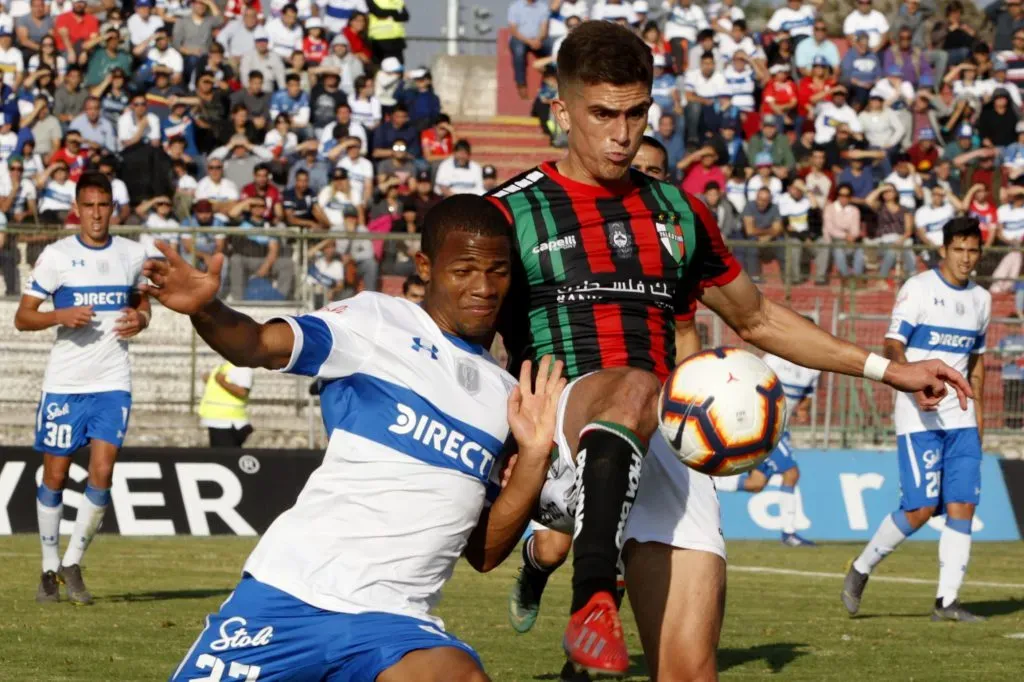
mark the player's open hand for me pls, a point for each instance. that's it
(178, 285)
(75, 317)
(130, 323)
(930, 381)
(533, 405)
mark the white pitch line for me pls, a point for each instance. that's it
(879, 578)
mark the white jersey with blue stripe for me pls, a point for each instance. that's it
(936, 319)
(89, 359)
(798, 382)
(416, 420)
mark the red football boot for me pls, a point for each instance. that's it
(593, 638)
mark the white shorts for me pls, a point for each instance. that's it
(675, 505)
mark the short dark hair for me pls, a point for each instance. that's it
(712, 185)
(707, 54)
(255, 73)
(292, 76)
(963, 226)
(443, 118)
(463, 145)
(648, 141)
(398, 107)
(604, 52)
(461, 213)
(95, 180)
(740, 23)
(107, 161)
(412, 281)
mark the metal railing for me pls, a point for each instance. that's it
(844, 411)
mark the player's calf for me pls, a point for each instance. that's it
(543, 552)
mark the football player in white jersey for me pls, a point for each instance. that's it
(939, 314)
(93, 280)
(341, 586)
(799, 384)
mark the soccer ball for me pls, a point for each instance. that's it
(722, 411)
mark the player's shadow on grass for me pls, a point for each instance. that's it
(1003, 607)
(169, 595)
(777, 655)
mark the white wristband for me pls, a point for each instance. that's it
(875, 366)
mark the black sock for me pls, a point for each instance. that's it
(607, 475)
(533, 571)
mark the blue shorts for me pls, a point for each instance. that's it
(262, 633)
(68, 421)
(937, 467)
(780, 460)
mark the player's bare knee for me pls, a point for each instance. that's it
(791, 477)
(550, 548)
(690, 667)
(960, 510)
(918, 517)
(54, 479)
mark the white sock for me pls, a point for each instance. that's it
(49, 510)
(954, 553)
(787, 504)
(893, 530)
(90, 514)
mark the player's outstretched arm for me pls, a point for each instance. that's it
(236, 336)
(777, 329)
(532, 409)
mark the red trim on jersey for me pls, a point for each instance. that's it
(592, 234)
(687, 316)
(608, 320)
(640, 218)
(504, 209)
(709, 224)
(657, 330)
(576, 187)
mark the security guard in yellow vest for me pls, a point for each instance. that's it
(224, 410)
(387, 29)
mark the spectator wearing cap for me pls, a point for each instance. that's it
(73, 29)
(999, 80)
(143, 24)
(833, 113)
(772, 140)
(238, 36)
(860, 70)
(285, 32)
(459, 174)
(293, 102)
(97, 132)
(699, 168)
(814, 88)
(324, 101)
(314, 45)
(421, 101)
(883, 128)
(841, 232)
(386, 83)
(360, 171)
(762, 225)
(336, 196)
(342, 62)
(924, 153)
(32, 27)
(779, 98)
(998, 121)
(860, 180)
(490, 174)
(12, 61)
(817, 48)
(69, 99)
(728, 143)
(684, 21)
(763, 177)
(528, 34)
(911, 61)
(204, 246)
(263, 60)
(864, 19)
(104, 61)
(193, 34)
(424, 197)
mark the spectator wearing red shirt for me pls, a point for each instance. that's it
(924, 153)
(73, 154)
(355, 31)
(697, 175)
(438, 142)
(236, 7)
(980, 206)
(815, 88)
(780, 96)
(314, 45)
(261, 188)
(73, 28)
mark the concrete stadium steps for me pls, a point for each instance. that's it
(511, 144)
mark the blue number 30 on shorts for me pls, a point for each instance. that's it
(262, 634)
(937, 467)
(68, 421)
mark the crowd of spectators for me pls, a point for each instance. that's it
(227, 113)
(845, 145)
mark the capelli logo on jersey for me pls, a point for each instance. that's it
(234, 635)
(952, 340)
(556, 244)
(449, 442)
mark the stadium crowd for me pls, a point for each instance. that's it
(875, 138)
(217, 113)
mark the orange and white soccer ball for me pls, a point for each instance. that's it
(722, 411)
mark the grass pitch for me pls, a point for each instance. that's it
(783, 616)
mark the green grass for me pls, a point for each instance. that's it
(152, 595)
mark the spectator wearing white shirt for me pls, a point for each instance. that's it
(285, 32)
(932, 217)
(795, 206)
(119, 191)
(737, 39)
(705, 43)
(238, 36)
(137, 125)
(56, 193)
(459, 174)
(763, 179)
(883, 129)
(162, 54)
(12, 62)
(221, 192)
(614, 10)
(832, 114)
(742, 77)
(795, 18)
(722, 14)
(1009, 232)
(864, 18)
(156, 214)
(561, 10)
(143, 23)
(266, 62)
(8, 139)
(683, 22)
(907, 182)
(333, 198)
(702, 86)
(336, 13)
(360, 170)
(366, 109)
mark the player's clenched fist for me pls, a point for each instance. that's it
(79, 316)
